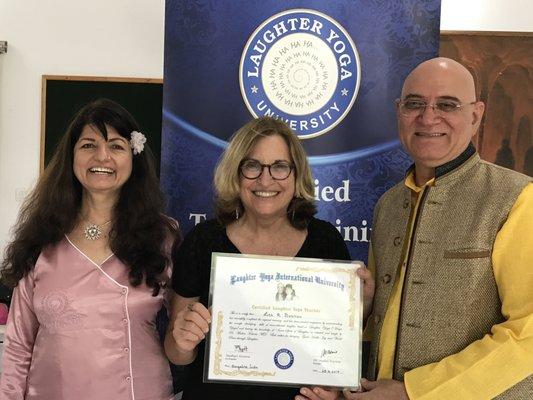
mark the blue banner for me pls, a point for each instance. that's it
(331, 69)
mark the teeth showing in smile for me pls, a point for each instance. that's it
(426, 134)
(265, 194)
(101, 170)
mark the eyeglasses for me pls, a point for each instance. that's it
(442, 108)
(253, 169)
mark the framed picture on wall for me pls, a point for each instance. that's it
(63, 96)
(502, 66)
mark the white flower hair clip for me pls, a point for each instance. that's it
(137, 142)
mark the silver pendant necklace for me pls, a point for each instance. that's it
(93, 231)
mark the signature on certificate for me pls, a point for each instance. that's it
(240, 349)
(327, 352)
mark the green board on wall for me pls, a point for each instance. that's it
(63, 96)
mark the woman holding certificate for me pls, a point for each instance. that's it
(264, 206)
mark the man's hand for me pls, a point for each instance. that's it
(386, 389)
(317, 393)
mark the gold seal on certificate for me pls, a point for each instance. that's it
(284, 321)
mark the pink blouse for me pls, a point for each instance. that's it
(77, 330)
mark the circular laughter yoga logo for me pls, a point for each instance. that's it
(300, 66)
(283, 358)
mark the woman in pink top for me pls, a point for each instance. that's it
(90, 266)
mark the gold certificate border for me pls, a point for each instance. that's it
(218, 355)
(351, 287)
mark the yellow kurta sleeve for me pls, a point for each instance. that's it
(503, 357)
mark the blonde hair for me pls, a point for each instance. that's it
(227, 180)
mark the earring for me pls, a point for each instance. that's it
(236, 213)
(292, 215)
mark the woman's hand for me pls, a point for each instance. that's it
(189, 322)
(190, 326)
(317, 393)
(369, 286)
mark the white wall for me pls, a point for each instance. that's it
(487, 15)
(122, 38)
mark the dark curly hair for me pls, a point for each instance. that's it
(52, 209)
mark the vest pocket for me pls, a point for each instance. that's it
(466, 253)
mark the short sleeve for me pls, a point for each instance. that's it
(337, 245)
(324, 241)
(186, 260)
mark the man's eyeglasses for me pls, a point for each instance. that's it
(253, 169)
(442, 108)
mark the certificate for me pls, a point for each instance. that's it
(284, 321)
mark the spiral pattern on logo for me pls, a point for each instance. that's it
(300, 66)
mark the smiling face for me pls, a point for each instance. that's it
(264, 197)
(430, 139)
(102, 166)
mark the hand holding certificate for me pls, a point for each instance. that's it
(273, 321)
(284, 321)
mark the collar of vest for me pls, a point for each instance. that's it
(470, 153)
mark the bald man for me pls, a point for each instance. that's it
(452, 249)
